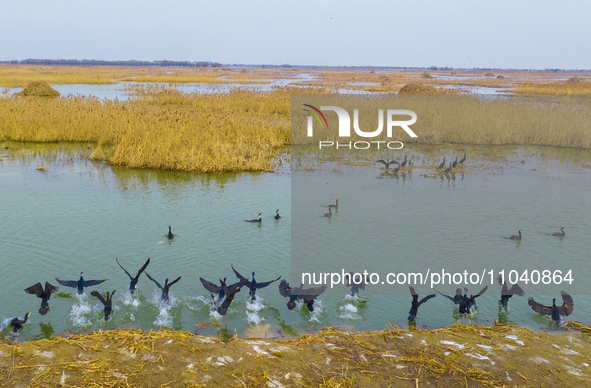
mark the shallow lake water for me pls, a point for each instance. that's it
(79, 215)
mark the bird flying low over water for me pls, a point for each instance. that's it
(464, 303)
(79, 284)
(415, 304)
(134, 279)
(223, 309)
(387, 164)
(507, 292)
(108, 303)
(220, 290)
(515, 236)
(18, 324)
(166, 287)
(252, 285)
(356, 283)
(294, 294)
(44, 294)
(554, 311)
(256, 219)
(558, 234)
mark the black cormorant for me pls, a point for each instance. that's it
(336, 206)
(134, 279)
(329, 212)
(308, 296)
(256, 219)
(415, 304)
(410, 162)
(462, 160)
(404, 161)
(356, 283)
(277, 216)
(18, 324)
(79, 284)
(507, 292)
(455, 163)
(515, 237)
(464, 303)
(209, 286)
(166, 287)
(559, 234)
(170, 235)
(387, 164)
(554, 311)
(253, 285)
(442, 164)
(44, 294)
(448, 169)
(108, 303)
(223, 309)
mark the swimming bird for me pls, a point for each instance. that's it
(211, 287)
(507, 292)
(277, 216)
(170, 235)
(442, 164)
(134, 279)
(462, 160)
(253, 285)
(404, 161)
(558, 234)
(166, 287)
(256, 219)
(387, 164)
(308, 296)
(464, 303)
(79, 284)
(108, 303)
(336, 206)
(44, 294)
(356, 283)
(223, 309)
(18, 324)
(448, 169)
(414, 308)
(455, 163)
(515, 237)
(554, 311)
(329, 212)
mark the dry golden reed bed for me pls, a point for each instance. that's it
(459, 356)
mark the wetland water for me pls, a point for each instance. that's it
(79, 215)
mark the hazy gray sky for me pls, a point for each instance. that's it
(465, 33)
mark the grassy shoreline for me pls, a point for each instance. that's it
(462, 355)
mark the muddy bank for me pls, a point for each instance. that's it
(463, 355)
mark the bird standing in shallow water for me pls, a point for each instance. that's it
(134, 279)
(515, 237)
(558, 234)
(410, 162)
(44, 294)
(80, 284)
(18, 324)
(277, 216)
(442, 164)
(404, 161)
(507, 292)
(455, 163)
(462, 160)
(414, 308)
(166, 287)
(554, 311)
(256, 219)
(252, 285)
(108, 303)
(170, 235)
(448, 169)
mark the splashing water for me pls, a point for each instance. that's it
(79, 314)
(349, 311)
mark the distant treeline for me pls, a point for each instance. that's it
(96, 62)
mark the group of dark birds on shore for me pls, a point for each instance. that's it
(410, 163)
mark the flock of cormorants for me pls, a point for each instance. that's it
(226, 293)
